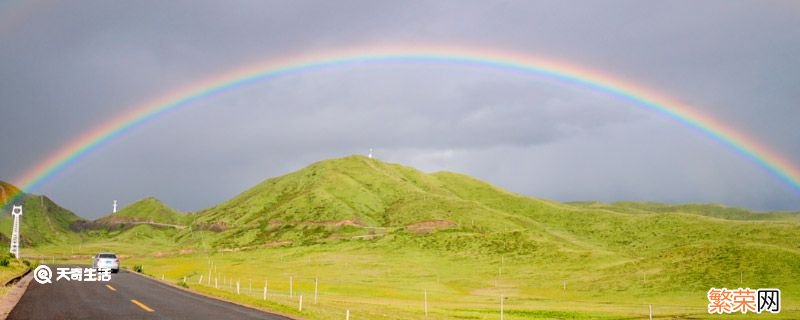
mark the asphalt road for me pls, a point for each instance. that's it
(126, 296)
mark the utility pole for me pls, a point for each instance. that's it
(16, 212)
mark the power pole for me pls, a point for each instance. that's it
(16, 212)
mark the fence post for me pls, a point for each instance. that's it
(316, 282)
(651, 312)
(266, 284)
(201, 280)
(347, 315)
(301, 303)
(237, 286)
(291, 292)
(501, 307)
(426, 303)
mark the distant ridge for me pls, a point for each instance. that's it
(148, 209)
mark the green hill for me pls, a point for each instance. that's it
(42, 222)
(150, 210)
(389, 231)
(147, 222)
(356, 196)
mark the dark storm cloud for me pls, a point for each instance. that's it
(70, 67)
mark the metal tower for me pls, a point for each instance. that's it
(115, 206)
(16, 212)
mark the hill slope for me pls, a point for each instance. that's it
(149, 210)
(43, 221)
(354, 193)
(378, 221)
(356, 196)
(709, 210)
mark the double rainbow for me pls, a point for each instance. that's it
(516, 62)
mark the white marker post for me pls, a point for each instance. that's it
(301, 303)
(266, 284)
(316, 282)
(347, 315)
(426, 303)
(291, 292)
(201, 280)
(501, 307)
(237, 286)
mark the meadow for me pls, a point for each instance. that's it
(386, 241)
(387, 278)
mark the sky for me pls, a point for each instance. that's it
(68, 67)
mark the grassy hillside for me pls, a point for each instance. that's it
(352, 196)
(146, 210)
(42, 222)
(710, 210)
(380, 234)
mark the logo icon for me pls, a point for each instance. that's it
(42, 274)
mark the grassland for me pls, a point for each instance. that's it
(10, 268)
(375, 278)
(378, 236)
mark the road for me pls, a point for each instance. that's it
(126, 296)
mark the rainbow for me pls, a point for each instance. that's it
(272, 68)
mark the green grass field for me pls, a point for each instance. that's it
(379, 237)
(387, 278)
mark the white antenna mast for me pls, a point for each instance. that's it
(115, 206)
(16, 212)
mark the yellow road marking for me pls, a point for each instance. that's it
(142, 305)
(111, 288)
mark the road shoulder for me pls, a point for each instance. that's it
(13, 296)
(164, 283)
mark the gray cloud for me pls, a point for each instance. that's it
(68, 68)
